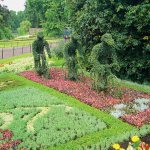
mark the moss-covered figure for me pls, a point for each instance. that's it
(103, 60)
(70, 54)
(40, 63)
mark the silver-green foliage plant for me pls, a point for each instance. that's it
(103, 60)
(43, 120)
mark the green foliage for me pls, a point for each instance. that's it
(60, 119)
(4, 15)
(128, 22)
(1, 121)
(40, 62)
(6, 83)
(103, 61)
(15, 19)
(52, 15)
(5, 32)
(35, 11)
(70, 54)
(25, 108)
(58, 50)
(24, 27)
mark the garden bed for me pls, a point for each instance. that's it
(47, 119)
(145, 139)
(83, 91)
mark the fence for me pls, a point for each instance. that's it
(15, 51)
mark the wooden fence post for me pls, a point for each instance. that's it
(22, 49)
(2, 54)
(30, 48)
(13, 51)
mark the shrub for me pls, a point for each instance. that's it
(58, 50)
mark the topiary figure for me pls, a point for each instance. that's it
(103, 60)
(70, 55)
(38, 45)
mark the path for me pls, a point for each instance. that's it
(15, 51)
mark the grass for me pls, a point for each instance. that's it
(81, 127)
(134, 86)
(10, 59)
(8, 83)
(25, 42)
(24, 62)
(57, 62)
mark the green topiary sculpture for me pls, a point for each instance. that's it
(70, 54)
(103, 60)
(38, 45)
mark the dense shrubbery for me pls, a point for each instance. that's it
(5, 32)
(128, 22)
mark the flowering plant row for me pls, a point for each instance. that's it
(17, 65)
(138, 119)
(82, 90)
(135, 144)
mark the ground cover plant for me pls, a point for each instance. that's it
(8, 83)
(99, 100)
(48, 119)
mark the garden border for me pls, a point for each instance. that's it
(117, 131)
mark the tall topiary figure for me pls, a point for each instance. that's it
(103, 60)
(70, 54)
(38, 46)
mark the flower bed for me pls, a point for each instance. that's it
(138, 119)
(136, 143)
(83, 91)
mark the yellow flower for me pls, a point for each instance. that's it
(121, 149)
(139, 148)
(116, 146)
(135, 139)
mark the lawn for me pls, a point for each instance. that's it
(23, 42)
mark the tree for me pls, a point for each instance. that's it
(15, 18)
(52, 15)
(24, 27)
(128, 22)
(5, 32)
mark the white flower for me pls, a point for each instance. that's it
(119, 106)
(142, 100)
(117, 113)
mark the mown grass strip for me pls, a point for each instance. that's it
(134, 86)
